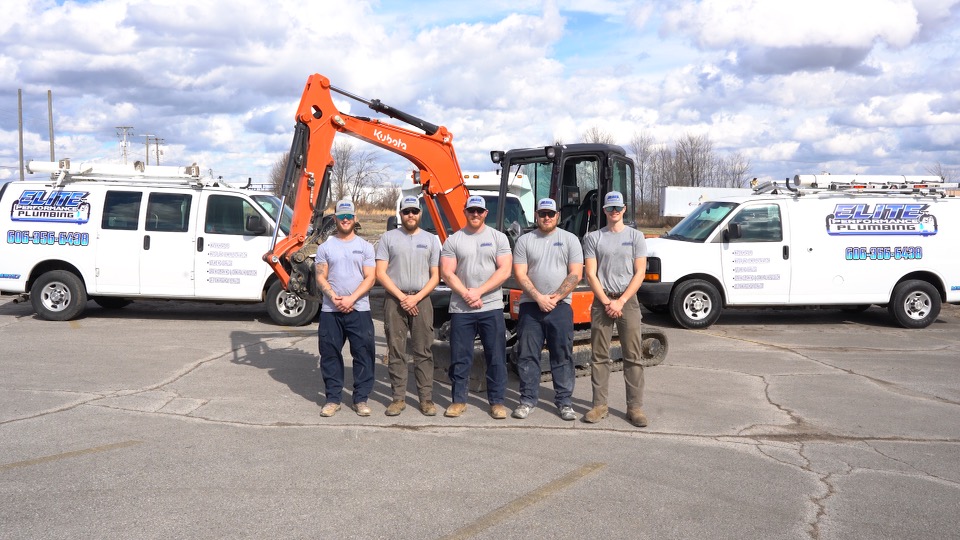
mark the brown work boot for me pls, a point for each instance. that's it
(362, 408)
(498, 411)
(428, 408)
(636, 417)
(596, 414)
(395, 408)
(455, 410)
(329, 409)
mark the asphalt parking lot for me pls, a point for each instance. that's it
(184, 420)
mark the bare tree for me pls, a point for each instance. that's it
(947, 173)
(735, 169)
(365, 172)
(694, 154)
(641, 145)
(385, 196)
(597, 135)
(342, 154)
(276, 174)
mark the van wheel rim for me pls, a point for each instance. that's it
(697, 305)
(917, 305)
(56, 297)
(290, 305)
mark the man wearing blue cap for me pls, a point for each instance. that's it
(345, 275)
(474, 263)
(548, 264)
(615, 258)
(408, 268)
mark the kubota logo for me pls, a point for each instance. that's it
(387, 139)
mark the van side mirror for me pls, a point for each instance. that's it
(734, 231)
(255, 226)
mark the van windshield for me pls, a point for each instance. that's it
(700, 223)
(270, 204)
(513, 211)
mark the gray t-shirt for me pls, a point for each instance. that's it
(476, 255)
(409, 257)
(345, 262)
(548, 259)
(615, 253)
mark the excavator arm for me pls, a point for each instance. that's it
(307, 177)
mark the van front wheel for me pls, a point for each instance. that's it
(58, 295)
(288, 309)
(695, 304)
(914, 304)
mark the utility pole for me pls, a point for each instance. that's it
(157, 141)
(20, 126)
(146, 142)
(50, 121)
(122, 134)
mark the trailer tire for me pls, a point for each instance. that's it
(58, 295)
(695, 304)
(914, 304)
(289, 309)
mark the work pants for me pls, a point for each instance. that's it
(335, 329)
(397, 324)
(491, 328)
(630, 333)
(556, 329)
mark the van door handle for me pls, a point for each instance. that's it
(146, 242)
(786, 252)
(200, 244)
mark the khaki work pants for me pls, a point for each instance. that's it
(630, 333)
(397, 325)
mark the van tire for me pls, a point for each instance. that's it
(695, 304)
(914, 304)
(58, 295)
(288, 309)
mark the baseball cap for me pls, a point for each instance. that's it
(614, 198)
(345, 207)
(476, 201)
(409, 202)
(546, 204)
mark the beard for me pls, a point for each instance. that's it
(345, 230)
(547, 229)
(410, 225)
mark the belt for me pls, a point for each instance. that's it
(613, 295)
(410, 293)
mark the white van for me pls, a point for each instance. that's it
(114, 233)
(843, 241)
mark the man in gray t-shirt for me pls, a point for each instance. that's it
(345, 274)
(474, 263)
(547, 264)
(408, 260)
(615, 258)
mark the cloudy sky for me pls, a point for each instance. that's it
(866, 86)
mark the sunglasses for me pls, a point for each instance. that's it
(614, 209)
(408, 211)
(547, 214)
(345, 216)
(476, 210)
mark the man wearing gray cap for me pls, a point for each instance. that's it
(345, 275)
(548, 264)
(615, 258)
(408, 268)
(474, 263)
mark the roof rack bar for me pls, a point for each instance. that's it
(65, 170)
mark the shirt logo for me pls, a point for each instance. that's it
(358, 252)
(486, 244)
(422, 246)
(558, 244)
(627, 244)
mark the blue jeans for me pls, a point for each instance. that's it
(492, 329)
(336, 328)
(556, 328)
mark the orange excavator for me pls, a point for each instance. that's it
(307, 176)
(576, 176)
